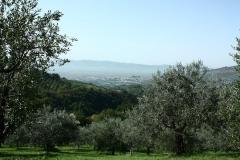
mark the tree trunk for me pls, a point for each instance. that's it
(131, 152)
(179, 144)
(148, 150)
(2, 126)
(48, 148)
(113, 151)
(3, 105)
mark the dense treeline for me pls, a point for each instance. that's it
(87, 101)
(82, 99)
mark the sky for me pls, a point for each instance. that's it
(151, 32)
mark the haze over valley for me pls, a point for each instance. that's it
(109, 73)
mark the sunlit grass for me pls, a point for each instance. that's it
(86, 153)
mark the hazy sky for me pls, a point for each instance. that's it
(150, 31)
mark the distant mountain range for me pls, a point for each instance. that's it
(107, 73)
(109, 68)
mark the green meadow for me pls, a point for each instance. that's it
(86, 153)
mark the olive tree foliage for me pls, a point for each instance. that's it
(130, 134)
(215, 133)
(231, 113)
(106, 135)
(53, 128)
(178, 102)
(20, 137)
(236, 55)
(83, 136)
(141, 130)
(29, 41)
(232, 117)
(229, 117)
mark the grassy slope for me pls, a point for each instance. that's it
(87, 154)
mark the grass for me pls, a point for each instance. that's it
(68, 153)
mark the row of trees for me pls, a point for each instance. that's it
(47, 129)
(181, 111)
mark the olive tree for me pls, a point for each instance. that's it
(105, 135)
(141, 129)
(130, 134)
(29, 41)
(20, 137)
(231, 111)
(214, 134)
(179, 102)
(49, 129)
(83, 136)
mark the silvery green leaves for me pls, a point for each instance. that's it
(30, 42)
(176, 102)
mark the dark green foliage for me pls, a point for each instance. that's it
(81, 98)
(20, 137)
(135, 89)
(108, 113)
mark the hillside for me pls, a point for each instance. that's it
(83, 99)
(228, 74)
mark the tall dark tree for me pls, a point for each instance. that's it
(29, 41)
